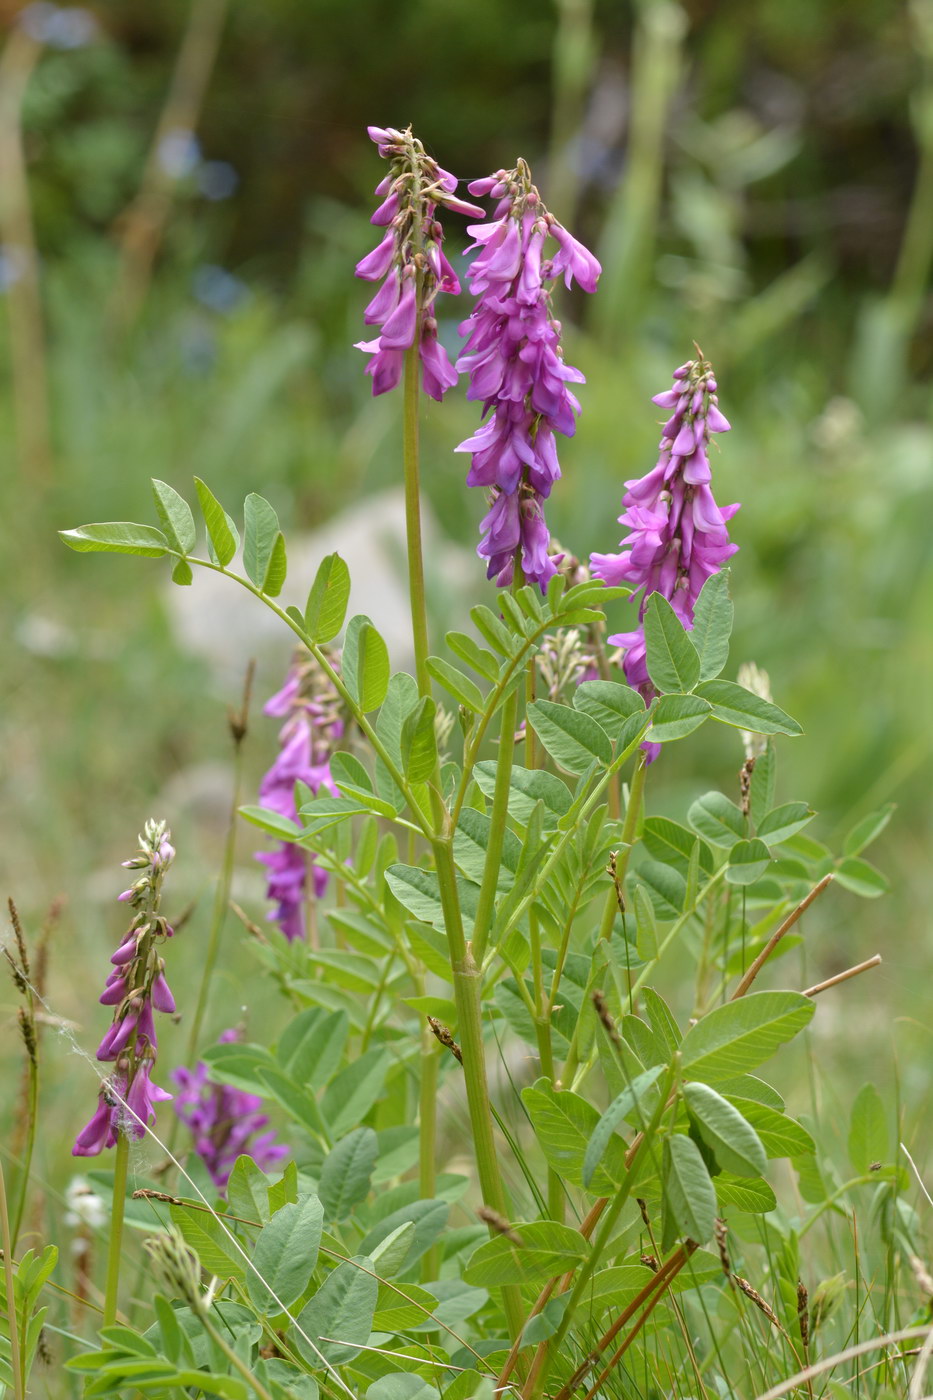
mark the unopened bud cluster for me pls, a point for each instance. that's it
(135, 988)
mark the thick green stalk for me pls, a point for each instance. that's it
(410, 453)
(467, 988)
(120, 1163)
(497, 821)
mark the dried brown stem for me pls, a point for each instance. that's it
(843, 976)
(778, 934)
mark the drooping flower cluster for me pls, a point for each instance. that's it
(313, 725)
(225, 1122)
(136, 987)
(517, 370)
(678, 535)
(411, 259)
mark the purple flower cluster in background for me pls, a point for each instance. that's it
(677, 534)
(307, 739)
(136, 987)
(225, 1122)
(410, 257)
(517, 371)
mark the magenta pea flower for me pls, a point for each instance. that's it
(410, 262)
(225, 1122)
(135, 988)
(517, 371)
(677, 535)
(312, 728)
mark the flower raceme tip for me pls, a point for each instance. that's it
(677, 535)
(517, 371)
(410, 262)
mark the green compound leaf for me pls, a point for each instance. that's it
(365, 664)
(342, 1310)
(327, 602)
(780, 1135)
(563, 1123)
(116, 537)
(867, 830)
(712, 624)
(470, 651)
(419, 745)
(260, 536)
(546, 1249)
(869, 1141)
(673, 663)
(285, 1254)
(689, 1198)
(346, 1172)
(572, 738)
(464, 691)
(630, 1098)
(861, 878)
(527, 787)
(718, 819)
(276, 569)
(752, 1195)
(747, 861)
(677, 715)
(223, 539)
(175, 516)
(784, 821)
(735, 1038)
(733, 704)
(731, 1138)
(609, 703)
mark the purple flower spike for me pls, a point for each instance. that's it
(135, 986)
(224, 1122)
(517, 372)
(313, 726)
(677, 534)
(411, 259)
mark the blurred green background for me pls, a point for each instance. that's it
(184, 191)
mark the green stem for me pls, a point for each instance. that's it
(830, 1201)
(120, 1164)
(570, 823)
(612, 1213)
(19, 1380)
(629, 830)
(410, 454)
(485, 908)
(232, 1357)
(467, 980)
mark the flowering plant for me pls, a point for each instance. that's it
(472, 900)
